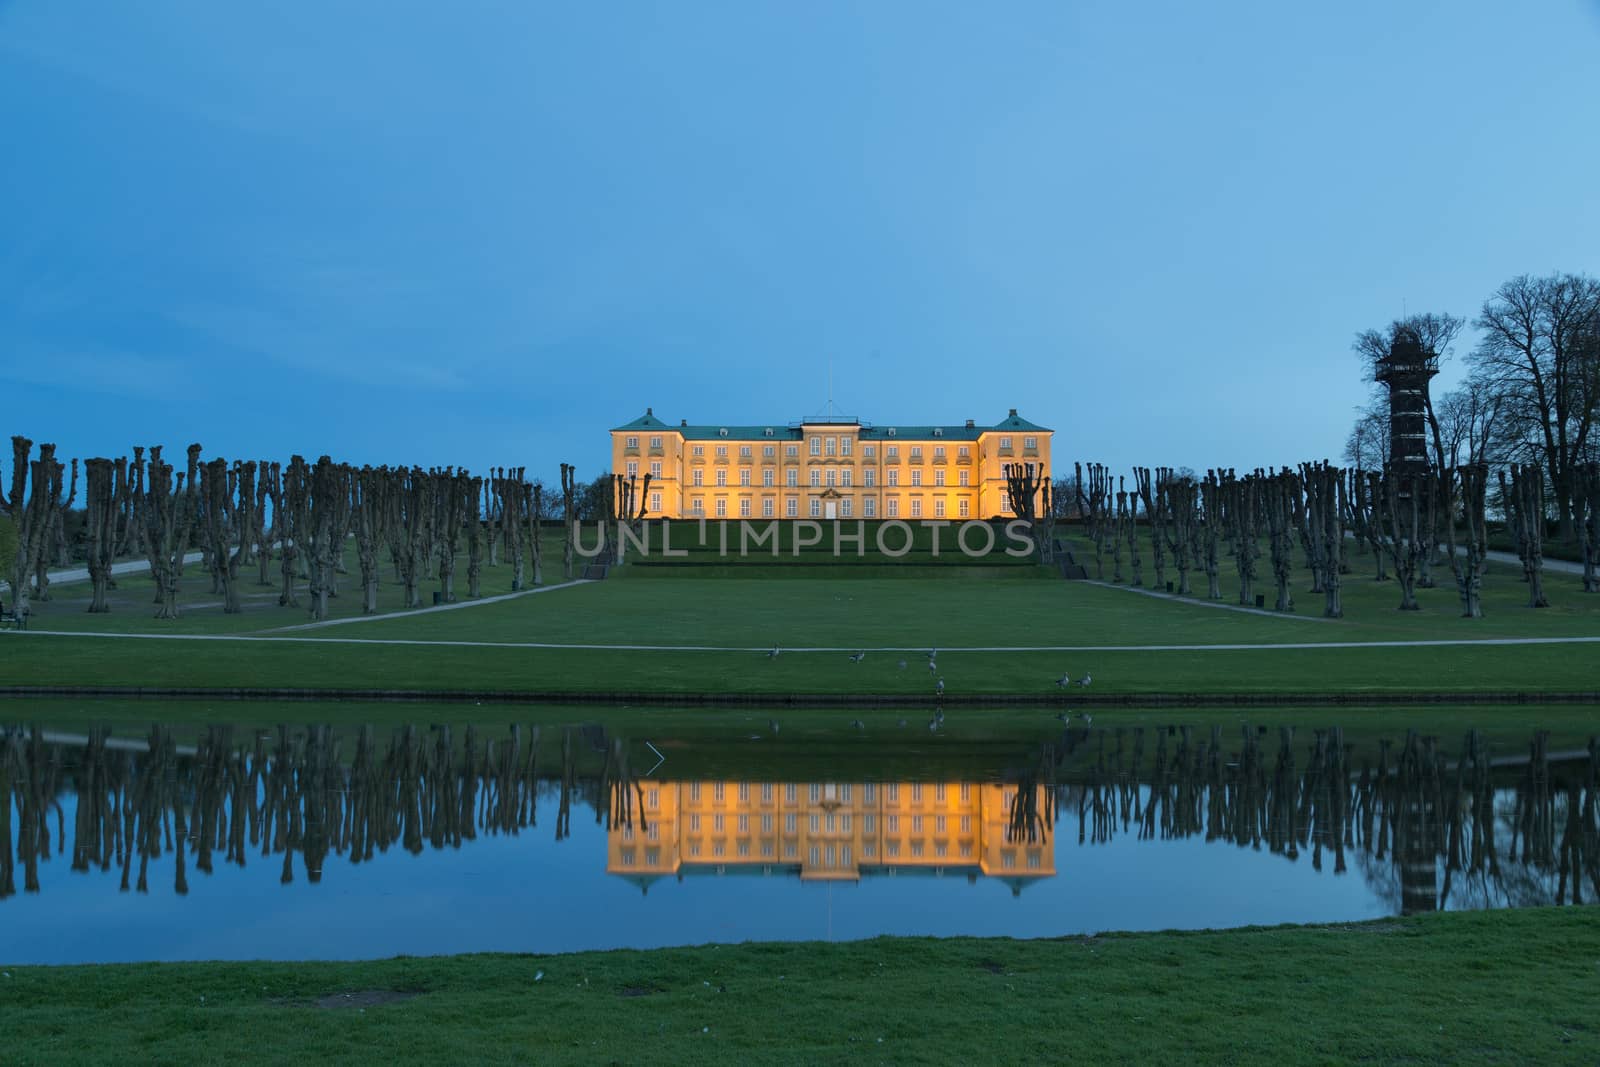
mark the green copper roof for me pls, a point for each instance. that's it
(778, 431)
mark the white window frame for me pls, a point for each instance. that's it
(791, 507)
(722, 477)
(766, 508)
(816, 446)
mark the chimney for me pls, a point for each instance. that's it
(1013, 413)
(683, 422)
(652, 411)
(969, 424)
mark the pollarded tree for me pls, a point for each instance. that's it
(226, 520)
(269, 494)
(1400, 499)
(35, 489)
(508, 490)
(1323, 484)
(1022, 485)
(292, 525)
(1128, 520)
(1241, 509)
(169, 507)
(534, 510)
(371, 512)
(1280, 492)
(1525, 507)
(57, 547)
(1363, 517)
(450, 508)
(476, 535)
(103, 479)
(410, 512)
(130, 525)
(1156, 518)
(1094, 500)
(1471, 489)
(1209, 532)
(1586, 515)
(569, 510)
(329, 513)
(1180, 496)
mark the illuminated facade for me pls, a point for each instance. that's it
(831, 831)
(828, 468)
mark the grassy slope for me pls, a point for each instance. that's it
(1463, 988)
(836, 612)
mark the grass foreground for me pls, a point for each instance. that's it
(1479, 987)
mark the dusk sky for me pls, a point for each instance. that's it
(484, 233)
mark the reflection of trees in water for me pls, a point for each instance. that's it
(1424, 829)
(297, 796)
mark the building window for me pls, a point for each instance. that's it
(844, 507)
(790, 824)
(938, 453)
(916, 507)
(1030, 442)
(793, 478)
(892, 476)
(916, 453)
(744, 508)
(722, 477)
(1005, 500)
(722, 451)
(766, 508)
(916, 477)
(744, 451)
(816, 507)
(655, 503)
(722, 508)
(963, 509)
(791, 507)
(963, 452)
(766, 477)
(832, 445)
(816, 478)
(833, 476)
(791, 451)
(938, 476)
(655, 468)
(845, 445)
(744, 476)
(768, 451)
(961, 477)
(816, 446)
(1005, 442)
(844, 477)
(699, 451)
(892, 508)
(892, 453)
(869, 477)
(698, 478)
(869, 508)
(938, 508)
(698, 505)
(633, 442)
(633, 468)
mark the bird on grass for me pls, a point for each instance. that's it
(1083, 683)
(772, 724)
(1063, 681)
(1088, 720)
(933, 665)
(858, 724)
(902, 724)
(938, 689)
(902, 664)
(774, 653)
(1065, 717)
(858, 657)
(933, 725)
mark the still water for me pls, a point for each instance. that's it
(303, 843)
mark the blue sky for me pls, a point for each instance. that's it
(483, 233)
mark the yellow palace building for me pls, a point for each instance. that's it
(836, 831)
(828, 468)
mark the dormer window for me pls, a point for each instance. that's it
(769, 431)
(891, 431)
(722, 432)
(938, 431)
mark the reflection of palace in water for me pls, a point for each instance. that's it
(831, 831)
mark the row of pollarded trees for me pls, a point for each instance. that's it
(245, 515)
(1323, 513)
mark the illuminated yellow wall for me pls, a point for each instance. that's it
(828, 830)
(859, 474)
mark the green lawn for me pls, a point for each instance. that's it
(1500, 987)
(728, 614)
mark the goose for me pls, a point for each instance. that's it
(858, 657)
(774, 653)
(858, 724)
(1063, 681)
(1083, 682)
(938, 688)
(902, 664)
(772, 724)
(1065, 717)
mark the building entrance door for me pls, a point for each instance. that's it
(830, 510)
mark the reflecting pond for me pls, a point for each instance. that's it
(312, 842)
